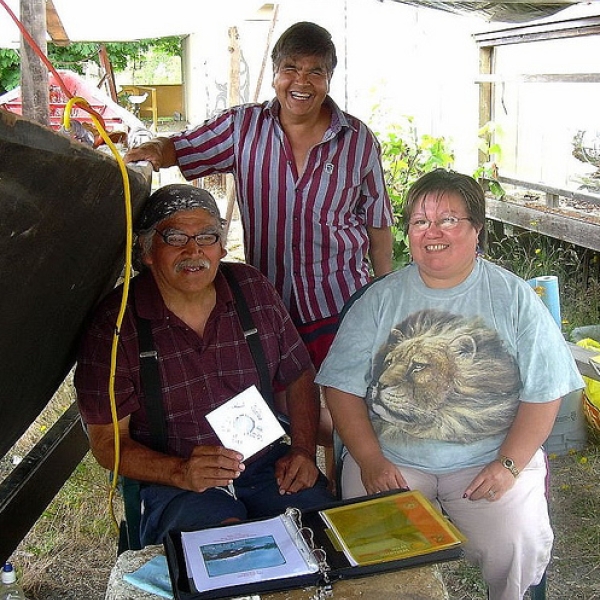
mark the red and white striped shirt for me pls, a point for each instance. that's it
(307, 232)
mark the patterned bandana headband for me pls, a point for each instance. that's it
(174, 198)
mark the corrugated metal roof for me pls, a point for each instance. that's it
(115, 20)
(508, 12)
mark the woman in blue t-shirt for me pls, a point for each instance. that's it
(446, 377)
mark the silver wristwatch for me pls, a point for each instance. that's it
(509, 463)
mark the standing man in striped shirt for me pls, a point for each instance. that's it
(310, 187)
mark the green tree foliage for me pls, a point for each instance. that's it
(406, 156)
(9, 70)
(487, 172)
(74, 56)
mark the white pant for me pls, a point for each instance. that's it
(510, 539)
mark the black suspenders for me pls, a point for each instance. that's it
(150, 377)
(150, 380)
(251, 335)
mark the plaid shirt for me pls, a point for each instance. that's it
(307, 232)
(197, 374)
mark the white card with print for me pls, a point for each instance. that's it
(245, 423)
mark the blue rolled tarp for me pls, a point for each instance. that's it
(546, 287)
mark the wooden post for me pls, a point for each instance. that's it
(233, 99)
(234, 67)
(263, 65)
(108, 72)
(486, 54)
(34, 74)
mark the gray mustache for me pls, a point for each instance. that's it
(192, 263)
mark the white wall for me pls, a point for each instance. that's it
(539, 120)
(416, 62)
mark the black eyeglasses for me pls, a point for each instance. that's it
(179, 239)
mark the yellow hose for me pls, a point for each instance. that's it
(126, 281)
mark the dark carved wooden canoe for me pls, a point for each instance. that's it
(62, 240)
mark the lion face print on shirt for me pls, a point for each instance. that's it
(444, 377)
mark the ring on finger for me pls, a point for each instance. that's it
(491, 494)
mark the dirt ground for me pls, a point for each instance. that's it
(574, 570)
(77, 566)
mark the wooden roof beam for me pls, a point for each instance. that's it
(54, 26)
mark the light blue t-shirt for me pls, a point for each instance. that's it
(443, 370)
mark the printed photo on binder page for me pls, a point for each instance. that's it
(247, 553)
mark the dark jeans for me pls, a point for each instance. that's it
(166, 508)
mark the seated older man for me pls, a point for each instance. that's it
(204, 360)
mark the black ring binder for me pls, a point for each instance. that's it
(330, 562)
